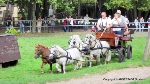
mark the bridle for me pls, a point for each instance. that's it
(90, 43)
(38, 53)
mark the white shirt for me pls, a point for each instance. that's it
(71, 21)
(114, 21)
(86, 20)
(104, 22)
(136, 22)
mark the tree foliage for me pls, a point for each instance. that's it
(143, 5)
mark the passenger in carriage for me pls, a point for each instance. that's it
(116, 20)
(123, 21)
(104, 22)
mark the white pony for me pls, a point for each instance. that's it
(64, 57)
(97, 48)
(75, 42)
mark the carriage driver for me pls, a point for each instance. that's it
(104, 22)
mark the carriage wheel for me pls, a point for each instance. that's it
(122, 54)
(129, 52)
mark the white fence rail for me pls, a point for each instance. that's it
(77, 23)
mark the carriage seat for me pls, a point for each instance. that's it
(119, 35)
(122, 35)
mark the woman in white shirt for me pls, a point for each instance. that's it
(116, 20)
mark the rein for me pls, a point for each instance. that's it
(92, 48)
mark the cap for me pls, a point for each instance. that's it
(118, 11)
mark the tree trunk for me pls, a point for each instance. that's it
(7, 11)
(37, 12)
(135, 13)
(146, 15)
(147, 49)
(99, 7)
(95, 9)
(45, 8)
(79, 7)
(30, 11)
(139, 13)
(21, 9)
(34, 19)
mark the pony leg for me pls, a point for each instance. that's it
(42, 71)
(108, 57)
(64, 71)
(80, 63)
(75, 65)
(91, 61)
(51, 68)
(57, 66)
(98, 59)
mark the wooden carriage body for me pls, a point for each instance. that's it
(106, 36)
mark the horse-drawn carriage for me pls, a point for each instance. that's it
(103, 44)
(122, 48)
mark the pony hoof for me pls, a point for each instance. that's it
(42, 72)
(59, 70)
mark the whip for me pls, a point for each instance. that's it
(103, 32)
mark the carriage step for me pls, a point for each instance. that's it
(126, 38)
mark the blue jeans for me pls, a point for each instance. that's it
(22, 28)
(85, 27)
(65, 28)
(119, 32)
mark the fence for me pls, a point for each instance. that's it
(77, 23)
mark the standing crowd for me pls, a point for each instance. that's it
(68, 22)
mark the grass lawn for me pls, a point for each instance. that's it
(28, 68)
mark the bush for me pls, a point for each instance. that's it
(12, 30)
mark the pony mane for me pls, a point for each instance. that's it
(40, 45)
(77, 38)
(60, 49)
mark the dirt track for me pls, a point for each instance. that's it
(112, 77)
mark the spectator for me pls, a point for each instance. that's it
(148, 20)
(53, 23)
(142, 24)
(93, 29)
(49, 22)
(8, 22)
(39, 24)
(65, 23)
(45, 23)
(80, 22)
(21, 23)
(136, 22)
(86, 22)
(70, 22)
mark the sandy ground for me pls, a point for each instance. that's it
(113, 77)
